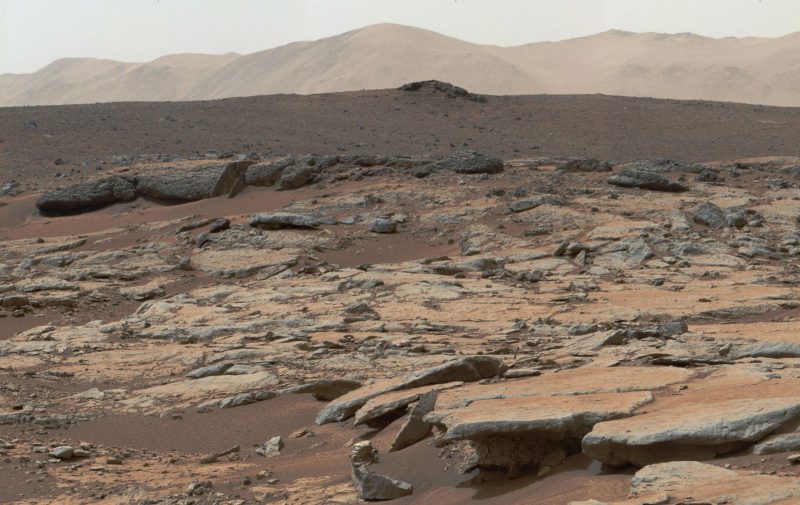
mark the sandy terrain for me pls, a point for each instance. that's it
(683, 66)
(534, 328)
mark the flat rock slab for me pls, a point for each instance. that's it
(695, 429)
(188, 183)
(87, 196)
(576, 381)
(184, 392)
(278, 221)
(394, 401)
(645, 179)
(238, 263)
(472, 368)
(542, 416)
(693, 482)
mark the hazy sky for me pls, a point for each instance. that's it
(35, 32)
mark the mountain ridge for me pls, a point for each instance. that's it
(680, 66)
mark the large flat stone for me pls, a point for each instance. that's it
(691, 429)
(468, 369)
(568, 382)
(87, 196)
(238, 263)
(547, 416)
(693, 482)
(189, 183)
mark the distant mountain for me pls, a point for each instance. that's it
(686, 66)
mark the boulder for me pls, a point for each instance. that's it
(448, 89)
(383, 225)
(584, 165)
(784, 442)
(690, 482)
(304, 171)
(709, 215)
(62, 452)
(87, 196)
(532, 203)
(243, 262)
(191, 183)
(278, 221)
(645, 179)
(370, 486)
(472, 368)
(331, 389)
(373, 487)
(578, 381)
(415, 428)
(267, 173)
(514, 433)
(466, 162)
(271, 447)
(395, 402)
(696, 430)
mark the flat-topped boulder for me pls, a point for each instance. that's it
(87, 196)
(693, 482)
(693, 429)
(188, 182)
(238, 263)
(578, 381)
(558, 416)
(463, 162)
(278, 221)
(645, 179)
(469, 369)
(514, 433)
(394, 401)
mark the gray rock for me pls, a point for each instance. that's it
(467, 162)
(220, 224)
(784, 442)
(448, 89)
(278, 221)
(62, 452)
(271, 447)
(689, 431)
(738, 217)
(331, 389)
(469, 369)
(267, 173)
(208, 371)
(644, 179)
(383, 225)
(415, 428)
(201, 239)
(766, 350)
(584, 165)
(304, 171)
(189, 184)
(710, 215)
(372, 487)
(87, 196)
(523, 205)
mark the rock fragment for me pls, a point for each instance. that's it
(645, 179)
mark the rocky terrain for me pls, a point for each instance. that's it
(429, 327)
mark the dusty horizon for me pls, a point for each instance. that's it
(128, 31)
(235, 53)
(682, 66)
